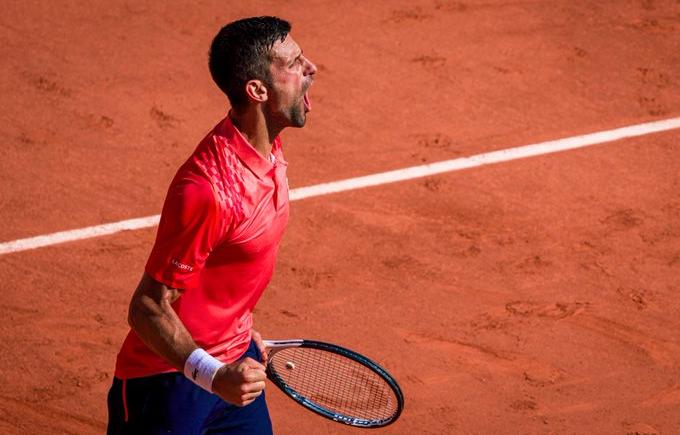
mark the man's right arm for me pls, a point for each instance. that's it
(156, 323)
(151, 316)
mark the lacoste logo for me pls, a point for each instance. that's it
(182, 266)
(194, 374)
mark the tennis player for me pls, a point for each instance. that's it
(191, 363)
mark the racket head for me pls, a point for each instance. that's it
(335, 382)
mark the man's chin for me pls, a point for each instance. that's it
(300, 123)
(298, 119)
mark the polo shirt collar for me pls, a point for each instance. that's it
(245, 151)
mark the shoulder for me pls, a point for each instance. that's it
(193, 188)
(190, 195)
(221, 167)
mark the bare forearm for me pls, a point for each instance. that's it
(151, 316)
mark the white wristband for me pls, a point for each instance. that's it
(201, 368)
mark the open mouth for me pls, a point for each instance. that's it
(308, 104)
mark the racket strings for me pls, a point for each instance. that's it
(336, 383)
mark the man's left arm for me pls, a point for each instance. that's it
(257, 338)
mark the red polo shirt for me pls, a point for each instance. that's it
(219, 232)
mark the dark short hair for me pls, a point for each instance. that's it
(241, 52)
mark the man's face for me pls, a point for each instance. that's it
(292, 74)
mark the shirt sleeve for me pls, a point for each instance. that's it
(190, 227)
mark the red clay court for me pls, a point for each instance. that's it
(537, 295)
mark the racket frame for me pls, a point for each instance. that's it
(274, 346)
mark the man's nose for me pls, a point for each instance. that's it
(310, 68)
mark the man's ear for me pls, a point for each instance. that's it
(257, 91)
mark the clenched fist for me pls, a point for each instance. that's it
(241, 382)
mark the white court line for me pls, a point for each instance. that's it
(371, 180)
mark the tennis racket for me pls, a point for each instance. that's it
(334, 382)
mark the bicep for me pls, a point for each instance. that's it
(151, 298)
(155, 322)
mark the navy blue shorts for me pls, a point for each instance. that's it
(171, 404)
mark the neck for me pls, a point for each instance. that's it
(253, 125)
